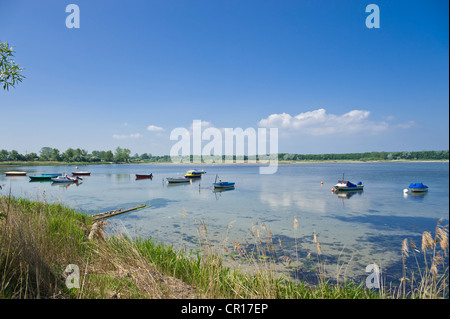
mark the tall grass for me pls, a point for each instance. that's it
(38, 240)
(430, 278)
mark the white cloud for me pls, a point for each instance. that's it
(407, 124)
(318, 122)
(154, 128)
(130, 136)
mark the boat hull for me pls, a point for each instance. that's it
(81, 173)
(15, 173)
(419, 190)
(346, 188)
(178, 180)
(64, 179)
(140, 176)
(43, 177)
(224, 185)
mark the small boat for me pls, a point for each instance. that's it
(344, 185)
(224, 185)
(220, 184)
(418, 187)
(15, 173)
(81, 173)
(65, 179)
(178, 179)
(143, 176)
(193, 174)
(43, 177)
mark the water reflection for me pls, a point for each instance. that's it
(218, 191)
(295, 200)
(348, 194)
(66, 185)
(415, 196)
(40, 181)
(119, 177)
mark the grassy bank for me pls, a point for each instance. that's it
(39, 240)
(50, 163)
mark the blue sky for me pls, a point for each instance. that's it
(135, 70)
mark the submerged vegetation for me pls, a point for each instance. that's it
(38, 241)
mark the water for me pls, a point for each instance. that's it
(354, 231)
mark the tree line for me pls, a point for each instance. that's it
(120, 155)
(368, 156)
(123, 155)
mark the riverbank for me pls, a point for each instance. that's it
(50, 163)
(55, 163)
(39, 241)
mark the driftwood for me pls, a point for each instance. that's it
(115, 212)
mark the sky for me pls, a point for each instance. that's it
(134, 71)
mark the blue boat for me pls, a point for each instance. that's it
(418, 187)
(224, 185)
(220, 184)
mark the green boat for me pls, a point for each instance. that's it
(43, 177)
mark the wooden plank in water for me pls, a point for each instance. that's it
(115, 212)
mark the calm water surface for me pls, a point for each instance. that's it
(354, 231)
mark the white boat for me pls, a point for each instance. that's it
(65, 179)
(344, 185)
(15, 173)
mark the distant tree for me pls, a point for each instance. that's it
(14, 156)
(68, 155)
(122, 155)
(55, 156)
(10, 72)
(108, 157)
(45, 154)
(31, 157)
(4, 155)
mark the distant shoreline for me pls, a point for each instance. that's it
(55, 163)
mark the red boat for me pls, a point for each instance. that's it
(142, 176)
(81, 173)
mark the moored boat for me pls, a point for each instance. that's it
(418, 187)
(144, 176)
(220, 184)
(193, 174)
(65, 179)
(344, 185)
(178, 179)
(224, 185)
(81, 173)
(43, 177)
(15, 173)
